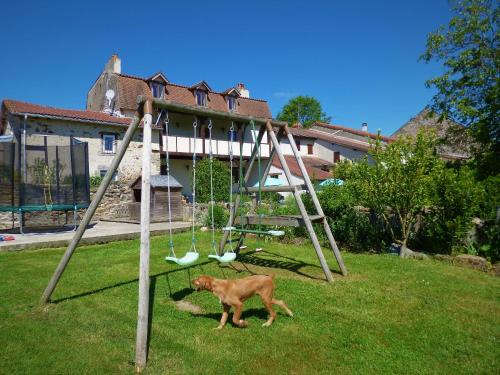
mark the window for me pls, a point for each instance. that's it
(310, 149)
(231, 103)
(297, 143)
(102, 173)
(336, 156)
(109, 143)
(157, 89)
(201, 98)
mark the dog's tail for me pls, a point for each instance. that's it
(271, 276)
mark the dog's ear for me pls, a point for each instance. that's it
(210, 283)
(207, 282)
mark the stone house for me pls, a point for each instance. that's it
(321, 146)
(111, 104)
(455, 143)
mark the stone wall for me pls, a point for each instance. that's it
(59, 133)
(114, 204)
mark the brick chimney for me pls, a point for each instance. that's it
(114, 65)
(242, 90)
(364, 126)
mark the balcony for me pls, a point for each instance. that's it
(186, 145)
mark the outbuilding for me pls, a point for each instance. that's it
(159, 199)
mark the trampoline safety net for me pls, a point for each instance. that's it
(44, 177)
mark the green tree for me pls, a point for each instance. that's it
(304, 110)
(398, 184)
(468, 91)
(221, 181)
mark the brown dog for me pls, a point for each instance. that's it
(232, 293)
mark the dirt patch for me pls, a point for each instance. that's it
(188, 306)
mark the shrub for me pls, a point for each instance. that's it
(446, 224)
(221, 216)
(351, 226)
(95, 181)
(221, 181)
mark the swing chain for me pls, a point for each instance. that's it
(167, 157)
(212, 202)
(231, 157)
(193, 239)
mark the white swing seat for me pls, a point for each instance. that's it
(225, 258)
(276, 233)
(189, 258)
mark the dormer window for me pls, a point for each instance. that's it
(231, 104)
(158, 90)
(201, 98)
(232, 95)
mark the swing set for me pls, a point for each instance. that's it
(248, 224)
(227, 256)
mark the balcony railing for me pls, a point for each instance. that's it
(219, 148)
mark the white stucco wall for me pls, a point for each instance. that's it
(287, 149)
(325, 150)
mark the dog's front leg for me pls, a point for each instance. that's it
(224, 316)
(238, 309)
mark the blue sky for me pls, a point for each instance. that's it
(359, 58)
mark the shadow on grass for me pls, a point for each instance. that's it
(285, 263)
(253, 312)
(280, 262)
(289, 264)
(117, 285)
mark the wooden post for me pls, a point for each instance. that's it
(300, 204)
(316, 202)
(90, 211)
(143, 308)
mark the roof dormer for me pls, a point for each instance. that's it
(231, 95)
(157, 85)
(200, 91)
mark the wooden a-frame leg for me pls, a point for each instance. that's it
(300, 204)
(317, 205)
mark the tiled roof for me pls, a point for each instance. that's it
(456, 142)
(21, 108)
(331, 138)
(352, 131)
(130, 87)
(313, 166)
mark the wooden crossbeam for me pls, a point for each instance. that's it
(282, 221)
(270, 189)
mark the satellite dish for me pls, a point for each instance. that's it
(110, 94)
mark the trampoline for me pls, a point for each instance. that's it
(40, 177)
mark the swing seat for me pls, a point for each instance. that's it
(189, 258)
(225, 258)
(274, 233)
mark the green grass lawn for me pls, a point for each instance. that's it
(388, 316)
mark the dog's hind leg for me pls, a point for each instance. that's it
(223, 319)
(283, 305)
(272, 314)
